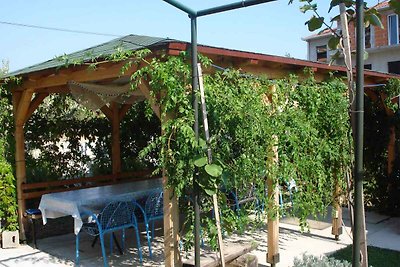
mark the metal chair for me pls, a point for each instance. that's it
(153, 211)
(115, 216)
(288, 189)
(33, 215)
(238, 199)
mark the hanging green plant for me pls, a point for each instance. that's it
(309, 120)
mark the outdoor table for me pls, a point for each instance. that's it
(75, 202)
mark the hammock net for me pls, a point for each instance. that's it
(94, 96)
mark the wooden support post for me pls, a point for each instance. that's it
(21, 103)
(171, 218)
(391, 150)
(116, 144)
(171, 227)
(337, 211)
(273, 214)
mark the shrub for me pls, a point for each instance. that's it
(313, 261)
(8, 204)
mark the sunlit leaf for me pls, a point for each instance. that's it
(200, 162)
(315, 23)
(213, 170)
(333, 42)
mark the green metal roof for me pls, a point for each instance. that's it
(129, 42)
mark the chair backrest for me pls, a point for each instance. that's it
(117, 214)
(154, 204)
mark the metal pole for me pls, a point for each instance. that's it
(196, 189)
(195, 86)
(358, 177)
(223, 8)
(182, 7)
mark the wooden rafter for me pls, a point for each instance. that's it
(144, 87)
(23, 107)
(35, 104)
(107, 112)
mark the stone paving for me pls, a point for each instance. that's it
(60, 250)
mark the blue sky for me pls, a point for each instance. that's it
(273, 28)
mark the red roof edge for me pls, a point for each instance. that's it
(175, 47)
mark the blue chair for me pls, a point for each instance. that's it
(153, 211)
(114, 217)
(33, 215)
(291, 188)
(239, 199)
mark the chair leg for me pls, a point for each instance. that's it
(95, 240)
(152, 230)
(148, 238)
(77, 250)
(117, 244)
(103, 249)
(123, 239)
(138, 245)
(34, 233)
(111, 243)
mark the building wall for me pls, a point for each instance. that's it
(380, 36)
(312, 48)
(379, 58)
(380, 53)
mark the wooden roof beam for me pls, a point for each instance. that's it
(103, 71)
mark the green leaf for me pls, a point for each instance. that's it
(213, 170)
(375, 20)
(202, 143)
(333, 42)
(200, 162)
(334, 3)
(210, 191)
(365, 55)
(314, 23)
(308, 7)
(348, 3)
(395, 5)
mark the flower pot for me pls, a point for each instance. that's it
(10, 239)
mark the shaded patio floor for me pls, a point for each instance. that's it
(60, 250)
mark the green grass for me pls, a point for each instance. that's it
(377, 257)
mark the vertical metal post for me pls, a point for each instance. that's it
(195, 88)
(193, 15)
(358, 177)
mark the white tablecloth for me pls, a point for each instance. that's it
(55, 205)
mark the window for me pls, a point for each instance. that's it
(322, 53)
(394, 67)
(368, 37)
(368, 66)
(393, 30)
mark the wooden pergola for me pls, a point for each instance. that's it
(44, 79)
